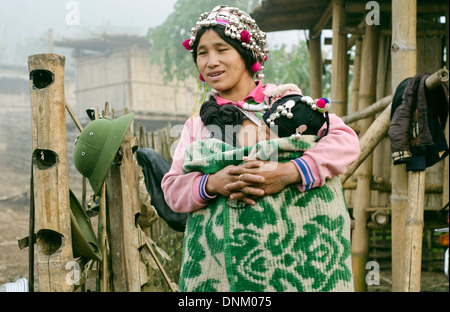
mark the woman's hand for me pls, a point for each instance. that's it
(275, 177)
(217, 182)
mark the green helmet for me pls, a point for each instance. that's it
(96, 147)
(84, 241)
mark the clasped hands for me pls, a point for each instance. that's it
(252, 179)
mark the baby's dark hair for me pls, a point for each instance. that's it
(246, 54)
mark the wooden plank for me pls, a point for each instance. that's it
(123, 207)
(104, 268)
(320, 25)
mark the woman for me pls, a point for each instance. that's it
(271, 244)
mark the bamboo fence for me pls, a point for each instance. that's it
(387, 203)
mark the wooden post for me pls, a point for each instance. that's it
(360, 238)
(123, 207)
(50, 172)
(103, 239)
(404, 65)
(315, 67)
(339, 61)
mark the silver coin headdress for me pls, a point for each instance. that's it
(239, 26)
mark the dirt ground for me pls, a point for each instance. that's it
(14, 217)
(13, 226)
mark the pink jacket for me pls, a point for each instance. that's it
(331, 156)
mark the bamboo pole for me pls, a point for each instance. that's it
(415, 208)
(147, 243)
(445, 195)
(369, 111)
(315, 67)
(404, 65)
(50, 171)
(413, 232)
(349, 194)
(376, 132)
(74, 118)
(339, 61)
(379, 128)
(360, 239)
(356, 79)
(382, 153)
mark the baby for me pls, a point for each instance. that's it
(292, 115)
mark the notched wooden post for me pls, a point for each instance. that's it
(50, 171)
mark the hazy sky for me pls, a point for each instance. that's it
(24, 22)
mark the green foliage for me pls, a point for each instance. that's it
(166, 40)
(292, 66)
(284, 65)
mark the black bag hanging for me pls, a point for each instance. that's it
(154, 167)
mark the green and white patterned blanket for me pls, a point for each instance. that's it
(290, 241)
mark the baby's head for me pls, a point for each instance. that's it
(294, 115)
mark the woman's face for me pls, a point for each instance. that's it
(222, 67)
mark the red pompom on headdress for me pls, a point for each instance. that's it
(323, 105)
(186, 44)
(245, 36)
(256, 67)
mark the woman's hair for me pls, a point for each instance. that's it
(246, 54)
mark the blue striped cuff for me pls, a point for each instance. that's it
(308, 180)
(201, 188)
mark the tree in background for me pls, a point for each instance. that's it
(289, 65)
(165, 40)
(284, 65)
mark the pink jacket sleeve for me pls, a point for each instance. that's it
(186, 192)
(332, 155)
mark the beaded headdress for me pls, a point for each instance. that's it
(238, 25)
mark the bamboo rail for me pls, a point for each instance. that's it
(379, 128)
(370, 111)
